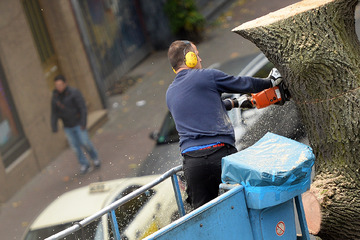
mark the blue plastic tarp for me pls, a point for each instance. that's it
(272, 170)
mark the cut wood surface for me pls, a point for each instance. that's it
(312, 212)
(286, 12)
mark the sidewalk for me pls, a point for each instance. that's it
(123, 140)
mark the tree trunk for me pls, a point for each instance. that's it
(314, 45)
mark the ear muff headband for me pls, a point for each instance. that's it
(190, 57)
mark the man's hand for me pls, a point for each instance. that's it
(245, 102)
(275, 77)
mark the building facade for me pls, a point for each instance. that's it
(92, 42)
(38, 40)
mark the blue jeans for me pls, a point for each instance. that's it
(78, 140)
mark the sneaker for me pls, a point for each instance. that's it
(84, 169)
(97, 163)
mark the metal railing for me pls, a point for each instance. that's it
(111, 208)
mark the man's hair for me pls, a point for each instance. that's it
(177, 51)
(60, 77)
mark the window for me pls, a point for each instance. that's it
(88, 232)
(37, 24)
(35, 18)
(126, 213)
(116, 37)
(168, 132)
(12, 140)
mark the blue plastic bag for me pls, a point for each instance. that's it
(274, 169)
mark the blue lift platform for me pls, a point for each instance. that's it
(262, 187)
(261, 190)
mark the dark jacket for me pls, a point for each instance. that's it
(69, 106)
(194, 100)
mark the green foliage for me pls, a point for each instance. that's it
(184, 17)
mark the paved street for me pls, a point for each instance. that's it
(123, 141)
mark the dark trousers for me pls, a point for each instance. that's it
(202, 171)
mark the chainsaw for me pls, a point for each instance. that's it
(275, 95)
(278, 94)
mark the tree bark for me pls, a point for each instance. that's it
(314, 45)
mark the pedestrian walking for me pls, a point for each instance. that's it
(68, 105)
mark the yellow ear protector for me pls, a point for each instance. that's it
(190, 57)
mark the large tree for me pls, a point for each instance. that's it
(314, 45)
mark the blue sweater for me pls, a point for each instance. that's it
(194, 100)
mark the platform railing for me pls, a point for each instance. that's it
(110, 209)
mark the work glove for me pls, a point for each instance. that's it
(243, 102)
(275, 77)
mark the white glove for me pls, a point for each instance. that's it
(275, 77)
